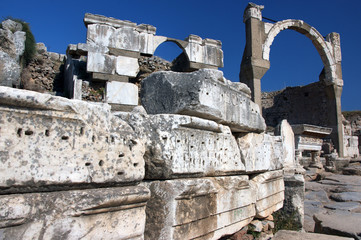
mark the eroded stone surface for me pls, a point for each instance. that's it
(180, 146)
(106, 213)
(204, 93)
(47, 140)
(261, 152)
(269, 192)
(204, 208)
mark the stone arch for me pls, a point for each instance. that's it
(181, 44)
(323, 47)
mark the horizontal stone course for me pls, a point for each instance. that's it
(105, 213)
(47, 141)
(182, 146)
(204, 208)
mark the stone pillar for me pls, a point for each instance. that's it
(253, 67)
(315, 159)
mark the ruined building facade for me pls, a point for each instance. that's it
(186, 157)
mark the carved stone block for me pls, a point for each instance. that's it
(261, 152)
(183, 146)
(205, 208)
(104, 213)
(269, 192)
(205, 94)
(47, 140)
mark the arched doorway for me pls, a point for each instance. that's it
(255, 63)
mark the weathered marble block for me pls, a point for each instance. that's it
(183, 146)
(47, 140)
(205, 94)
(104, 213)
(204, 208)
(121, 93)
(269, 189)
(108, 64)
(261, 152)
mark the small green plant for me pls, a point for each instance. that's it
(30, 43)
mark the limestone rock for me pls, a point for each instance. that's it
(104, 213)
(50, 141)
(347, 196)
(203, 94)
(41, 48)
(19, 41)
(203, 207)
(9, 71)
(261, 152)
(269, 189)
(339, 223)
(183, 146)
(12, 25)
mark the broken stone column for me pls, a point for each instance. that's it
(205, 94)
(205, 208)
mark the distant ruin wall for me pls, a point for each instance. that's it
(299, 105)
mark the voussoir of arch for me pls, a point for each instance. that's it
(324, 49)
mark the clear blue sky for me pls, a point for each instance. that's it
(294, 60)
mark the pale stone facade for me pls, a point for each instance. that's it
(195, 162)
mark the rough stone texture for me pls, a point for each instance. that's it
(284, 129)
(204, 208)
(9, 71)
(293, 206)
(204, 93)
(344, 206)
(341, 223)
(49, 140)
(286, 235)
(104, 213)
(182, 146)
(261, 152)
(269, 192)
(347, 196)
(44, 73)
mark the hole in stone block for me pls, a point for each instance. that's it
(120, 173)
(47, 132)
(192, 135)
(88, 164)
(106, 139)
(178, 141)
(64, 137)
(19, 132)
(112, 139)
(164, 137)
(133, 142)
(121, 154)
(135, 164)
(192, 146)
(207, 93)
(93, 138)
(81, 131)
(101, 163)
(29, 132)
(202, 142)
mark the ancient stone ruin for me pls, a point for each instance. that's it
(182, 155)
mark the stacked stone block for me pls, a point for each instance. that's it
(205, 138)
(112, 51)
(68, 169)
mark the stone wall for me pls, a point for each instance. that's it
(190, 161)
(292, 103)
(158, 176)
